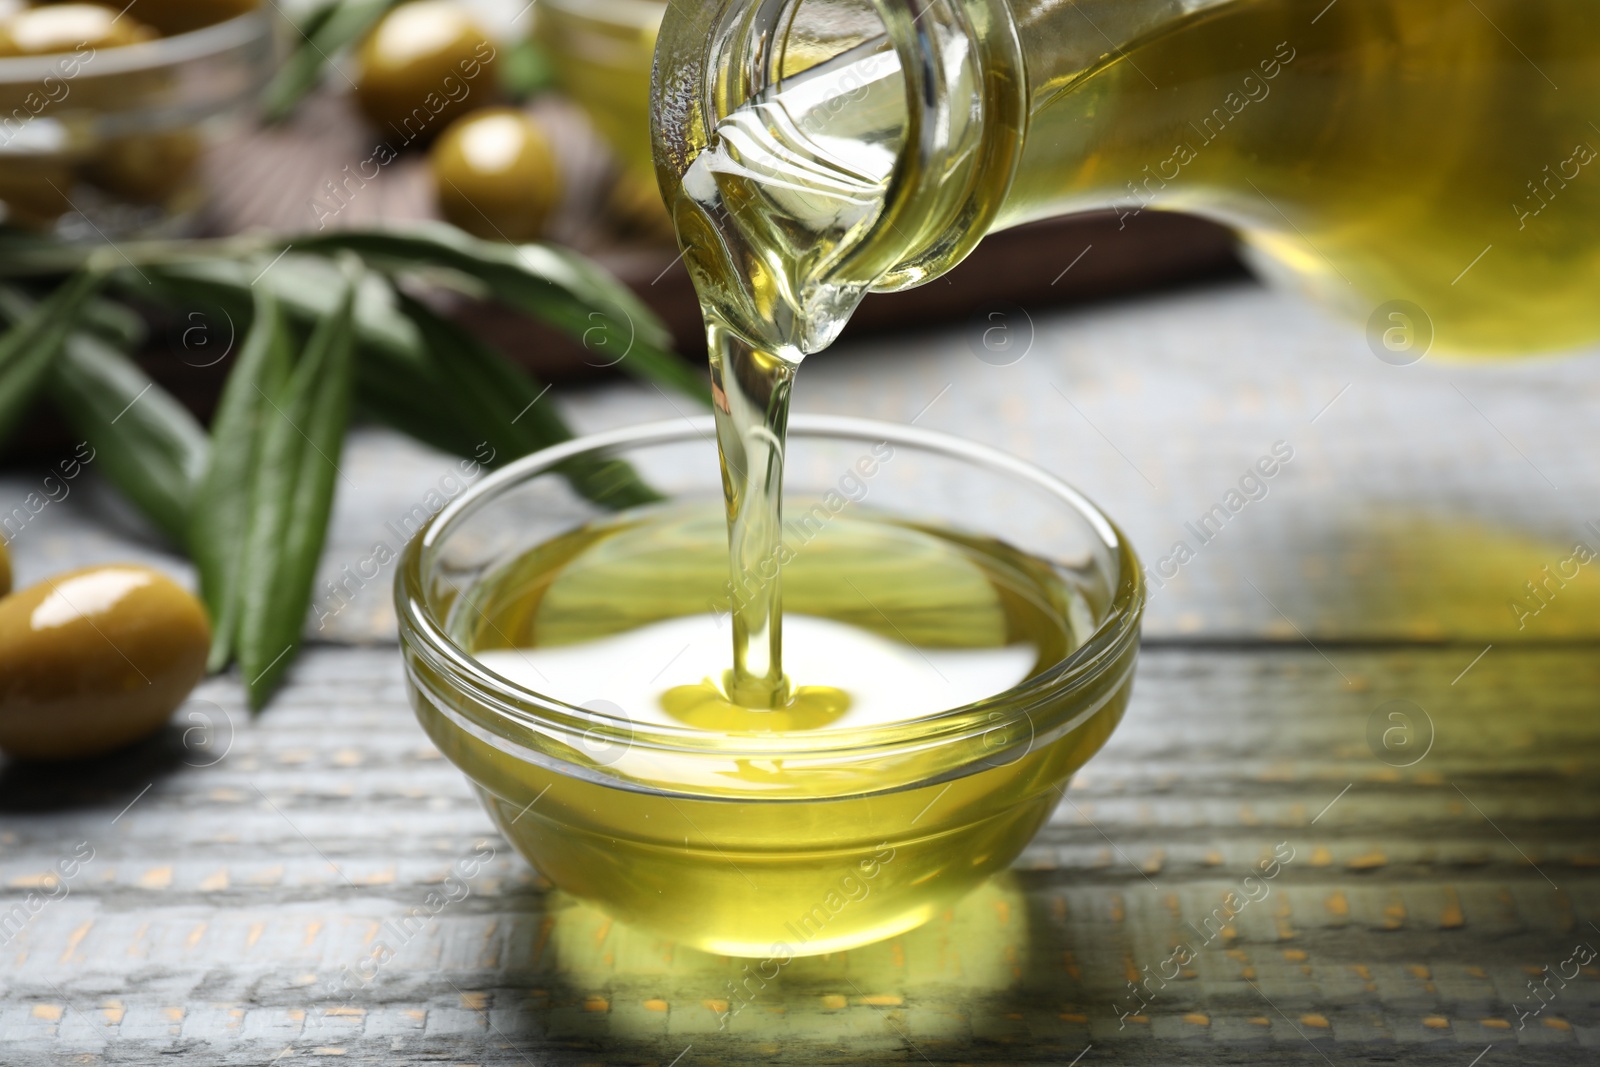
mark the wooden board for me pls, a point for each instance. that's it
(1420, 903)
(223, 901)
(1415, 507)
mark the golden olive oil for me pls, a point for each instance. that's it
(764, 854)
(634, 609)
(1431, 151)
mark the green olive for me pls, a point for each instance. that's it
(495, 175)
(148, 168)
(96, 659)
(5, 569)
(419, 67)
(69, 27)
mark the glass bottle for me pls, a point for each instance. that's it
(1418, 164)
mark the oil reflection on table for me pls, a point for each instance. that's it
(971, 954)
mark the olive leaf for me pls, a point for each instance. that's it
(296, 465)
(150, 447)
(533, 277)
(26, 254)
(403, 393)
(525, 69)
(221, 516)
(553, 284)
(395, 376)
(253, 501)
(482, 386)
(117, 324)
(30, 345)
(147, 443)
(328, 30)
(309, 288)
(473, 383)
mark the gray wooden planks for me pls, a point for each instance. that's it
(1415, 508)
(223, 901)
(1379, 567)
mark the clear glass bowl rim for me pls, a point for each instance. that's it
(422, 631)
(216, 39)
(634, 14)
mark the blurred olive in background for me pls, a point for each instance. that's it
(5, 569)
(602, 51)
(495, 175)
(425, 63)
(61, 28)
(149, 168)
(636, 209)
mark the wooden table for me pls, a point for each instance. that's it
(1440, 875)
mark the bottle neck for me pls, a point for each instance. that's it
(948, 86)
(917, 105)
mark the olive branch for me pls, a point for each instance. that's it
(332, 326)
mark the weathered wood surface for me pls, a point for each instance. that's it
(1415, 508)
(266, 856)
(223, 900)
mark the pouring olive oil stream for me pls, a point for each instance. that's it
(1371, 150)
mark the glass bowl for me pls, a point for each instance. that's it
(776, 844)
(602, 51)
(101, 144)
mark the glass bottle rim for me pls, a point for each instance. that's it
(713, 52)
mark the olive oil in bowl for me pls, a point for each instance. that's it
(948, 675)
(763, 738)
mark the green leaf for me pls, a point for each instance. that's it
(405, 396)
(525, 70)
(555, 285)
(309, 287)
(292, 496)
(24, 253)
(220, 520)
(476, 380)
(35, 336)
(328, 30)
(115, 323)
(208, 282)
(395, 377)
(147, 443)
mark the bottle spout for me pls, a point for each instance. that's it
(824, 149)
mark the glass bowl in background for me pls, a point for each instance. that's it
(602, 51)
(108, 143)
(767, 844)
